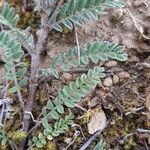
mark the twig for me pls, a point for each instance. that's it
(77, 133)
(144, 65)
(4, 110)
(135, 110)
(147, 148)
(92, 138)
(76, 125)
(5, 90)
(30, 113)
(143, 130)
(80, 107)
(42, 35)
(13, 145)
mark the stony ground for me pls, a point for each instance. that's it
(124, 95)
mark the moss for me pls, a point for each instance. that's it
(3, 147)
(51, 146)
(27, 18)
(130, 143)
(17, 136)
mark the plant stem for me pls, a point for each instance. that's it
(42, 35)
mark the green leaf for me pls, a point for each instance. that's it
(71, 8)
(4, 141)
(54, 115)
(40, 136)
(68, 24)
(10, 76)
(96, 51)
(39, 144)
(55, 133)
(43, 141)
(60, 109)
(35, 139)
(50, 105)
(8, 16)
(14, 89)
(17, 55)
(81, 12)
(21, 72)
(81, 4)
(23, 82)
(63, 10)
(49, 137)
(100, 145)
(9, 66)
(69, 103)
(5, 10)
(57, 27)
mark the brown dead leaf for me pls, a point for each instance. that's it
(97, 121)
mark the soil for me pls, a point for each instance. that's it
(126, 101)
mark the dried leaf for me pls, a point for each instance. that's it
(97, 121)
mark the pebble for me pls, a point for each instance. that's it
(111, 64)
(115, 79)
(108, 82)
(67, 76)
(124, 75)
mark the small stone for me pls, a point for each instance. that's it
(67, 76)
(97, 122)
(124, 75)
(108, 82)
(115, 79)
(111, 64)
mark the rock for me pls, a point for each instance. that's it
(124, 75)
(97, 121)
(111, 64)
(67, 76)
(2, 75)
(115, 79)
(108, 82)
